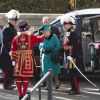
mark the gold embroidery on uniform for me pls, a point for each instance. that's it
(24, 59)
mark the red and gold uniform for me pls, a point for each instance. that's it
(21, 53)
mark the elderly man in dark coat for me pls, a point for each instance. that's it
(9, 32)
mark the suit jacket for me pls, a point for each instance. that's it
(8, 32)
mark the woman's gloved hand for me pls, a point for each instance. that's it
(47, 51)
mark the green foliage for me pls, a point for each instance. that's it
(83, 4)
(34, 6)
(44, 6)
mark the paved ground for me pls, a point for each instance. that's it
(87, 92)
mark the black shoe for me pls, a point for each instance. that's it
(57, 86)
(43, 85)
(9, 87)
(20, 97)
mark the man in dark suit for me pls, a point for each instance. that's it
(71, 47)
(9, 32)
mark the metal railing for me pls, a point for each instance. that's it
(48, 76)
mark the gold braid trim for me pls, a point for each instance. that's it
(14, 53)
(24, 52)
(23, 57)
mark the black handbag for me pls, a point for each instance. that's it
(57, 57)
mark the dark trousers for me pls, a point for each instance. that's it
(8, 77)
(73, 76)
(74, 80)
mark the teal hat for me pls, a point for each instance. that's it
(44, 27)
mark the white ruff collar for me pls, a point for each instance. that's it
(27, 32)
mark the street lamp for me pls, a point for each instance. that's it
(71, 5)
(75, 4)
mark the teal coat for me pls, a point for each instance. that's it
(52, 44)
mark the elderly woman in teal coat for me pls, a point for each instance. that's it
(50, 46)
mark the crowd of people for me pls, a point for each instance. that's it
(16, 58)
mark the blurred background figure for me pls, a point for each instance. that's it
(1, 36)
(1, 41)
(1, 22)
(46, 20)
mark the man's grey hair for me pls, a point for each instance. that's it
(45, 18)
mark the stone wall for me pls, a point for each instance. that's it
(34, 19)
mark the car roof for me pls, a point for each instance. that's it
(92, 11)
(87, 11)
